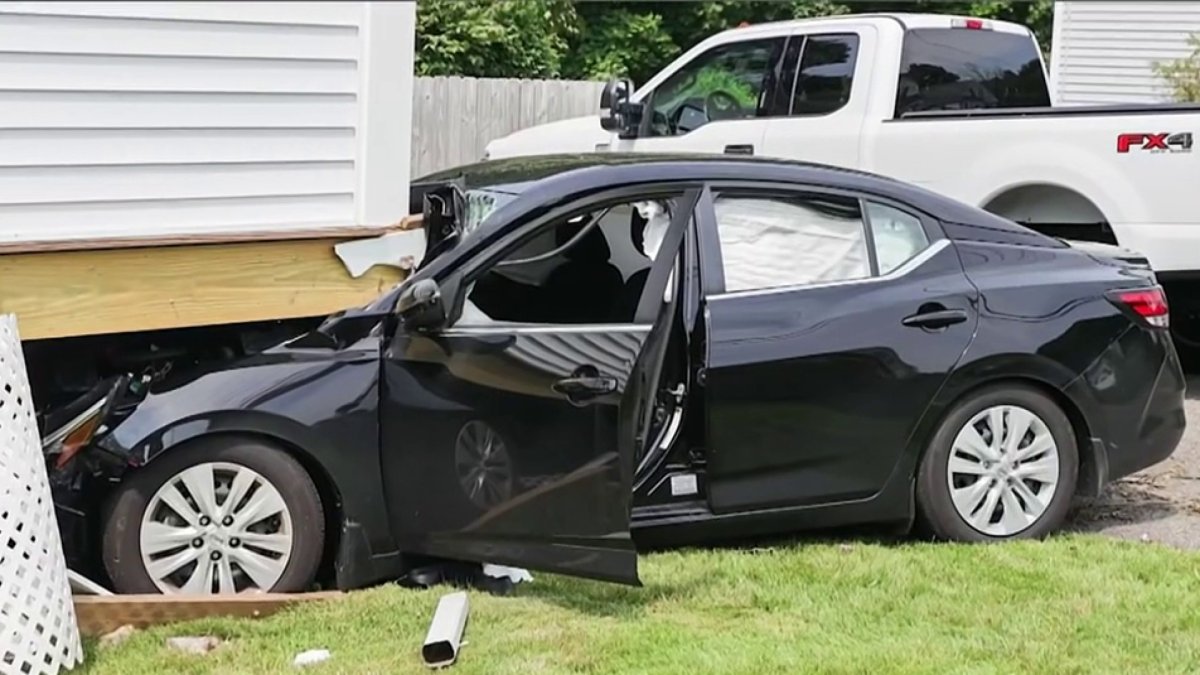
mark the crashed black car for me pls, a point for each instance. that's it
(609, 349)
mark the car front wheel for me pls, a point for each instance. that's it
(222, 515)
(1002, 465)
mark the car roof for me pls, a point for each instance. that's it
(564, 174)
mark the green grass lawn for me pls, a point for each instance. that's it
(1072, 604)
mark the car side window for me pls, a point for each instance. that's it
(825, 75)
(586, 268)
(897, 235)
(776, 240)
(728, 82)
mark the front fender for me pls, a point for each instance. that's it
(320, 404)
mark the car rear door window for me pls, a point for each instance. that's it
(778, 240)
(896, 235)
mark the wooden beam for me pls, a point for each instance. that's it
(117, 290)
(353, 232)
(100, 614)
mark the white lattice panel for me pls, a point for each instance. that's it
(38, 633)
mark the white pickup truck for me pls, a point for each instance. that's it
(958, 105)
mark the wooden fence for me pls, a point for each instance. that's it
(454, 118)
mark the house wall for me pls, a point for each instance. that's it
(157, 119)
(1103, 52)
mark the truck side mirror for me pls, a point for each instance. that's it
(420, 306)
(616, 112)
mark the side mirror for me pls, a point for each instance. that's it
(616, 112)
(420, 306)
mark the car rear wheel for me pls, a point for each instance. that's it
(1002, 465)
(222, 515)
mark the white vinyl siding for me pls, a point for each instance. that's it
(144, 119)
(1104, 52)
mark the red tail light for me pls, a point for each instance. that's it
(1150, 304)
(970, 24)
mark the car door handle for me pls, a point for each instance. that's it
(939, 318)
(584, 387)
(742, 149)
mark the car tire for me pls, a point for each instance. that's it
(126, 514)
(945, 496)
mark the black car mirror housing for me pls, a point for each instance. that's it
(420, 306)
(617, 113)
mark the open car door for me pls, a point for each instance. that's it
(514, 443)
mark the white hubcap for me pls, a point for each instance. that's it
(1003, 470)
(216, 528)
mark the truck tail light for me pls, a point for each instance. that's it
(1148, 304)
(971, 24)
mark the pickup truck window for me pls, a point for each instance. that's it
(826, 72)
(773, 241)
(727, 82)
(960, 69)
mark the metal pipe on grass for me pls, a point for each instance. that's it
(445, 632)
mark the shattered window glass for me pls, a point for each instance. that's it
(480, 205)
(774, 241)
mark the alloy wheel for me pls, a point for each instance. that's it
(1003, 470)
(216, 527)
(483, 464)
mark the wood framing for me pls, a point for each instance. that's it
(147, 285)
(100, 614)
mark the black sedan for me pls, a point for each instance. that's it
(609, 349)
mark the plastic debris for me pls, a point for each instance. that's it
(513, 574)
(311, 657)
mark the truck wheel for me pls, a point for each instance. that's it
(221, 515)
(1002, 465)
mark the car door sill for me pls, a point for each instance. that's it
(660, 514)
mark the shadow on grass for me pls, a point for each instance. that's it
(602, 599)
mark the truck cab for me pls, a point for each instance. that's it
(807, 89)
(958, 105)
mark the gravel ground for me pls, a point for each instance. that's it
(1160, 504)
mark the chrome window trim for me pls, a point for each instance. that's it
(911, 264)
(548, 328)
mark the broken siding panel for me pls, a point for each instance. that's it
(148, 119)
(1104, 52)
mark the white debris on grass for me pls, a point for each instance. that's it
(514, 574)
(311, 657)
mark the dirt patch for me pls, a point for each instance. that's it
(1160, 504)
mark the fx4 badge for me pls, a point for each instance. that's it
(1168, 142)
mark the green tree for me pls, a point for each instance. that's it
(579, 39)
(494, 38)
(1183, 74)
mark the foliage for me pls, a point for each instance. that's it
(1183, 74)
(494, 38)
(618, 42)
(597, 40)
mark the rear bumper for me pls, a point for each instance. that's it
(1133, 398)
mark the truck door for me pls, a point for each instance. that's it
(718, 102)
(824, 93)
